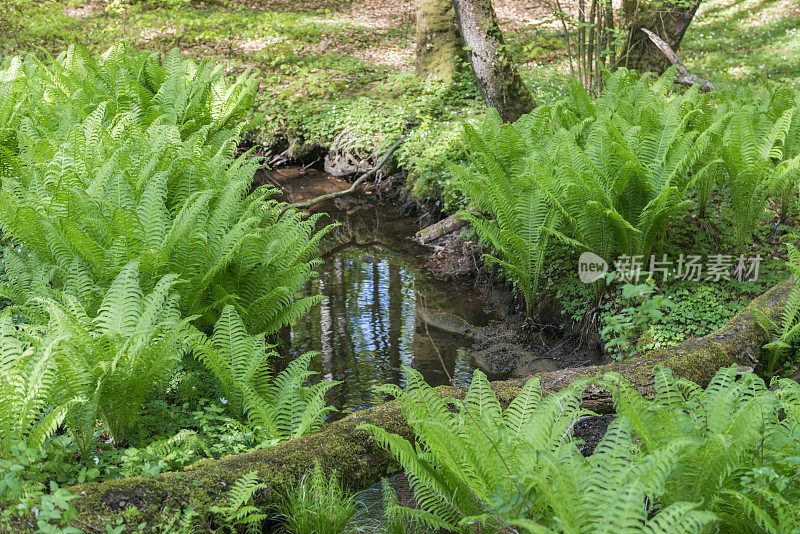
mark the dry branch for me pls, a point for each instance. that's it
(685, 76)
(443, 227)
(330, 196)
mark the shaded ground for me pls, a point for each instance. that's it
(747, 40)
(740, 39)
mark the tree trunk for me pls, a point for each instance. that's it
(440, 50)
(669, 19)
(361, 461)
(498, 80)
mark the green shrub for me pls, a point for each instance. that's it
(689, 460)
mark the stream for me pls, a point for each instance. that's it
(369, 325)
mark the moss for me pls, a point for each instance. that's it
(361, 462)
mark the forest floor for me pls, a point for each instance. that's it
(354, 40)
(338, 75)
(319, 57)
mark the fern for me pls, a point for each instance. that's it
(785, 332)
(279, 407)
(752, 143)
(463, 462)
(688, 460)
(521, 213)
(114, 359)
(131, 158)
(27, 379)
(726, 431)
(604, 176)
(240, 510)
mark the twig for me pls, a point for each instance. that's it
(439, 354)
(330, 196)
(686, 77)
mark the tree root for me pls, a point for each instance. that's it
(330, 196)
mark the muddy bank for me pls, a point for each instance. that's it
(456, 308)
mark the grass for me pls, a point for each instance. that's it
(319, 503)
(746, 41)
(339, 74)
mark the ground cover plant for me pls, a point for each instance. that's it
(722, 457)
(146, 284)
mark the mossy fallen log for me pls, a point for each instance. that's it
(343, 446)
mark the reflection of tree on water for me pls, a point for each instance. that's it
(366, 326)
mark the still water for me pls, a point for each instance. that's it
(369, 325)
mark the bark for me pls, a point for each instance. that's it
(496, 74)
(361, 462)
(669, 19)
(440, 50)
(685, 76)
(438, 229)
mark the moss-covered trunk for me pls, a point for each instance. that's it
(440, 50)
(669, 19)
(497, 76)
(361, 461)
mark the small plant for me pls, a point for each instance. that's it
(623, 329)
(240, 510)
(783, 347)
(521, 215)
(317, 505)
(278, 407)
(113, 360)
(752, 145)
(395, 521)
(27, 377)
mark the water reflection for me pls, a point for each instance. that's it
(367, 326)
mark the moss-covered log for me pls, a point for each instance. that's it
(361, 462)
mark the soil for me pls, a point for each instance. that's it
(515, 347)
(590, 431)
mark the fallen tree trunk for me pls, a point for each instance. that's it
(361, 462)
(438, 229)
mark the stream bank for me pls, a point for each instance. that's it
(386, 301)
